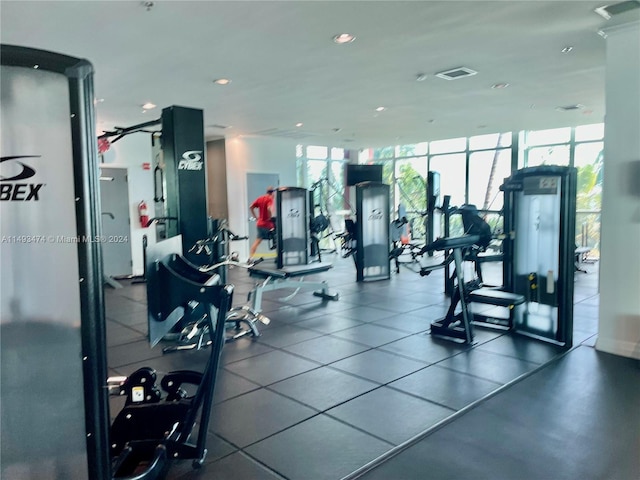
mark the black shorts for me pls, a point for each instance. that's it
(264, 233)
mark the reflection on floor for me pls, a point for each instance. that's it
(331, 386)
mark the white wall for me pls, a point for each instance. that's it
(619, 324)
(131, 152)
(254, 155)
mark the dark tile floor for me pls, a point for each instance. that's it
(331, 386)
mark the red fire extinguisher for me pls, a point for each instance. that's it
(143, 213)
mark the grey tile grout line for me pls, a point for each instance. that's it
(421, 436)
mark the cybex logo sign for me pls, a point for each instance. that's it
(376, 214)
(18, 192)
(191, 160)
(293, 213)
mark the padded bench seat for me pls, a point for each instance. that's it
(496, 297)
(288, 277)
(489, 257)
(266, 271)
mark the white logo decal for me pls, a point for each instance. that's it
(191, 160)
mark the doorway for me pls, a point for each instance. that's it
(116, 223)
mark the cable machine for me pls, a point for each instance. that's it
(539, 223)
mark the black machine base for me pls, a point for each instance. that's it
(326, 295)
(452, 330)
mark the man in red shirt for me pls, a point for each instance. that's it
(264, 215)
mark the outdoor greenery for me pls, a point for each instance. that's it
(401, 164)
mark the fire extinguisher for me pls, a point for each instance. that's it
(143, 213)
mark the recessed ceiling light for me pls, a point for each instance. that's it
(381, 109)
(500, 85)
(299, 124)
(566, 49)
(222, 81)
(36, 66)
(148, 106)
(421, 77)
(343, 38)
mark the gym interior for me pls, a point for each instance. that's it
(451, 287)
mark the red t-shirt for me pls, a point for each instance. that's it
(263, 204)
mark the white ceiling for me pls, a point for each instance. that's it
(286, 69)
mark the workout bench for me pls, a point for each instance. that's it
(288, 277)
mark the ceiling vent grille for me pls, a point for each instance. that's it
(456, 73)
(608, 11)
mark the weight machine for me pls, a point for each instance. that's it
(156, 425)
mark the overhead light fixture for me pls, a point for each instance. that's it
(381, 109)
(343, 38)
(299, 124)
(148, 106)
(566, 49)
(421, 77)
(36, 66)
(608, 11)
(499, 85)
(222, 81)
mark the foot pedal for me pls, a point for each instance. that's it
(456, 332)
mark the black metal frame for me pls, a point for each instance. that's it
(280, 222)
(361, 258)
(562, 298)
(87, 193)
(175, 284)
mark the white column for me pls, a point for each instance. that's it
(619, 328)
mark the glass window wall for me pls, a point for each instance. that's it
(472, 170)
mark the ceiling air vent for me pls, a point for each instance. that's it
(456, 73)
(608, 11)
